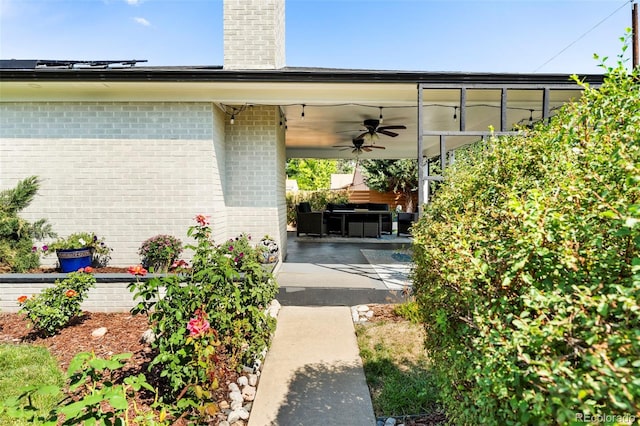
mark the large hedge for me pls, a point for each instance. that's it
(528, 269)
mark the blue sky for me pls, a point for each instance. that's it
(420, 35)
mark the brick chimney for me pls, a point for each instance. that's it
(253, 34)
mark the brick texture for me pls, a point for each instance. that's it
(254, 34)
(126, 171)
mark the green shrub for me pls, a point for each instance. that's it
(318, 200)
(95, 396)
(527, 268)
(52, 309)
(213, 311)
(17, 251)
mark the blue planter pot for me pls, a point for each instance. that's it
(74, 259)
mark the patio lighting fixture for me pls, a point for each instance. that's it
(302, 115)
(455, 113)
(233, 112)
(381, 119)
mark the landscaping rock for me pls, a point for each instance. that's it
(243, 381)
(99, 332)
(253, 379)
(148, 337)
(248, 393)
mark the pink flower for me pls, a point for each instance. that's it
(45, 248)
(34, 249)
(199, 325)
(202, 219)
(179, 264)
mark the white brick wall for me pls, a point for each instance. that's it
(127, 187)
(255, 174)
(104, 297)
(126, 171)
(254, 34)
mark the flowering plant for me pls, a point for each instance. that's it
(159, 252)
(239, 250)
(213, 312)
(52, 309)
(100, 251)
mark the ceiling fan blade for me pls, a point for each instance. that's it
(376, 146)
(388, 133)
(361, 136)
(399, 126)
(367, 149)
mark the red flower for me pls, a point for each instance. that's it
(137, 270)
(202, 219)
(22, 299)
(87, 270)
(70, 293)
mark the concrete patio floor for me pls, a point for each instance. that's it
(333, 271)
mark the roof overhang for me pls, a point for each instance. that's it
(336, 101)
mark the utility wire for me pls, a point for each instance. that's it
(583, 35)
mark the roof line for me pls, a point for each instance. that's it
(304, 75)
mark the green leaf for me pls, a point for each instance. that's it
(118, 402)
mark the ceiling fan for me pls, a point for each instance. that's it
(358, 146)
(374, 128)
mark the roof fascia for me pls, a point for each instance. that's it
(294, 76)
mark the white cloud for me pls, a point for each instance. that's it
(142, 22)
(132, 2)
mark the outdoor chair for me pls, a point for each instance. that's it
(309, 222)
(405, 222)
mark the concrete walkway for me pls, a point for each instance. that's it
(313, 374)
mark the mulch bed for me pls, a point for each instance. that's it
(123, 335)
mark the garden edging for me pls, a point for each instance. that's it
(109, 295)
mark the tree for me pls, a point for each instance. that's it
(310, 173)
(392, 175)
(16, 234)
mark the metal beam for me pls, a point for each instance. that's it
(503, 109)
(421, 197)
(463, 109)
(466, 133)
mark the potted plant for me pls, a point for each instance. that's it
(79, 250)
(270, 249)
(160, 252)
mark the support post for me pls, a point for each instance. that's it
(634, 34)
(421, 179)
(463, 109)
(443, 154)
(503, 110)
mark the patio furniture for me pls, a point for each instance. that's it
(309, 222)
(405, 222)
(360, 220)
